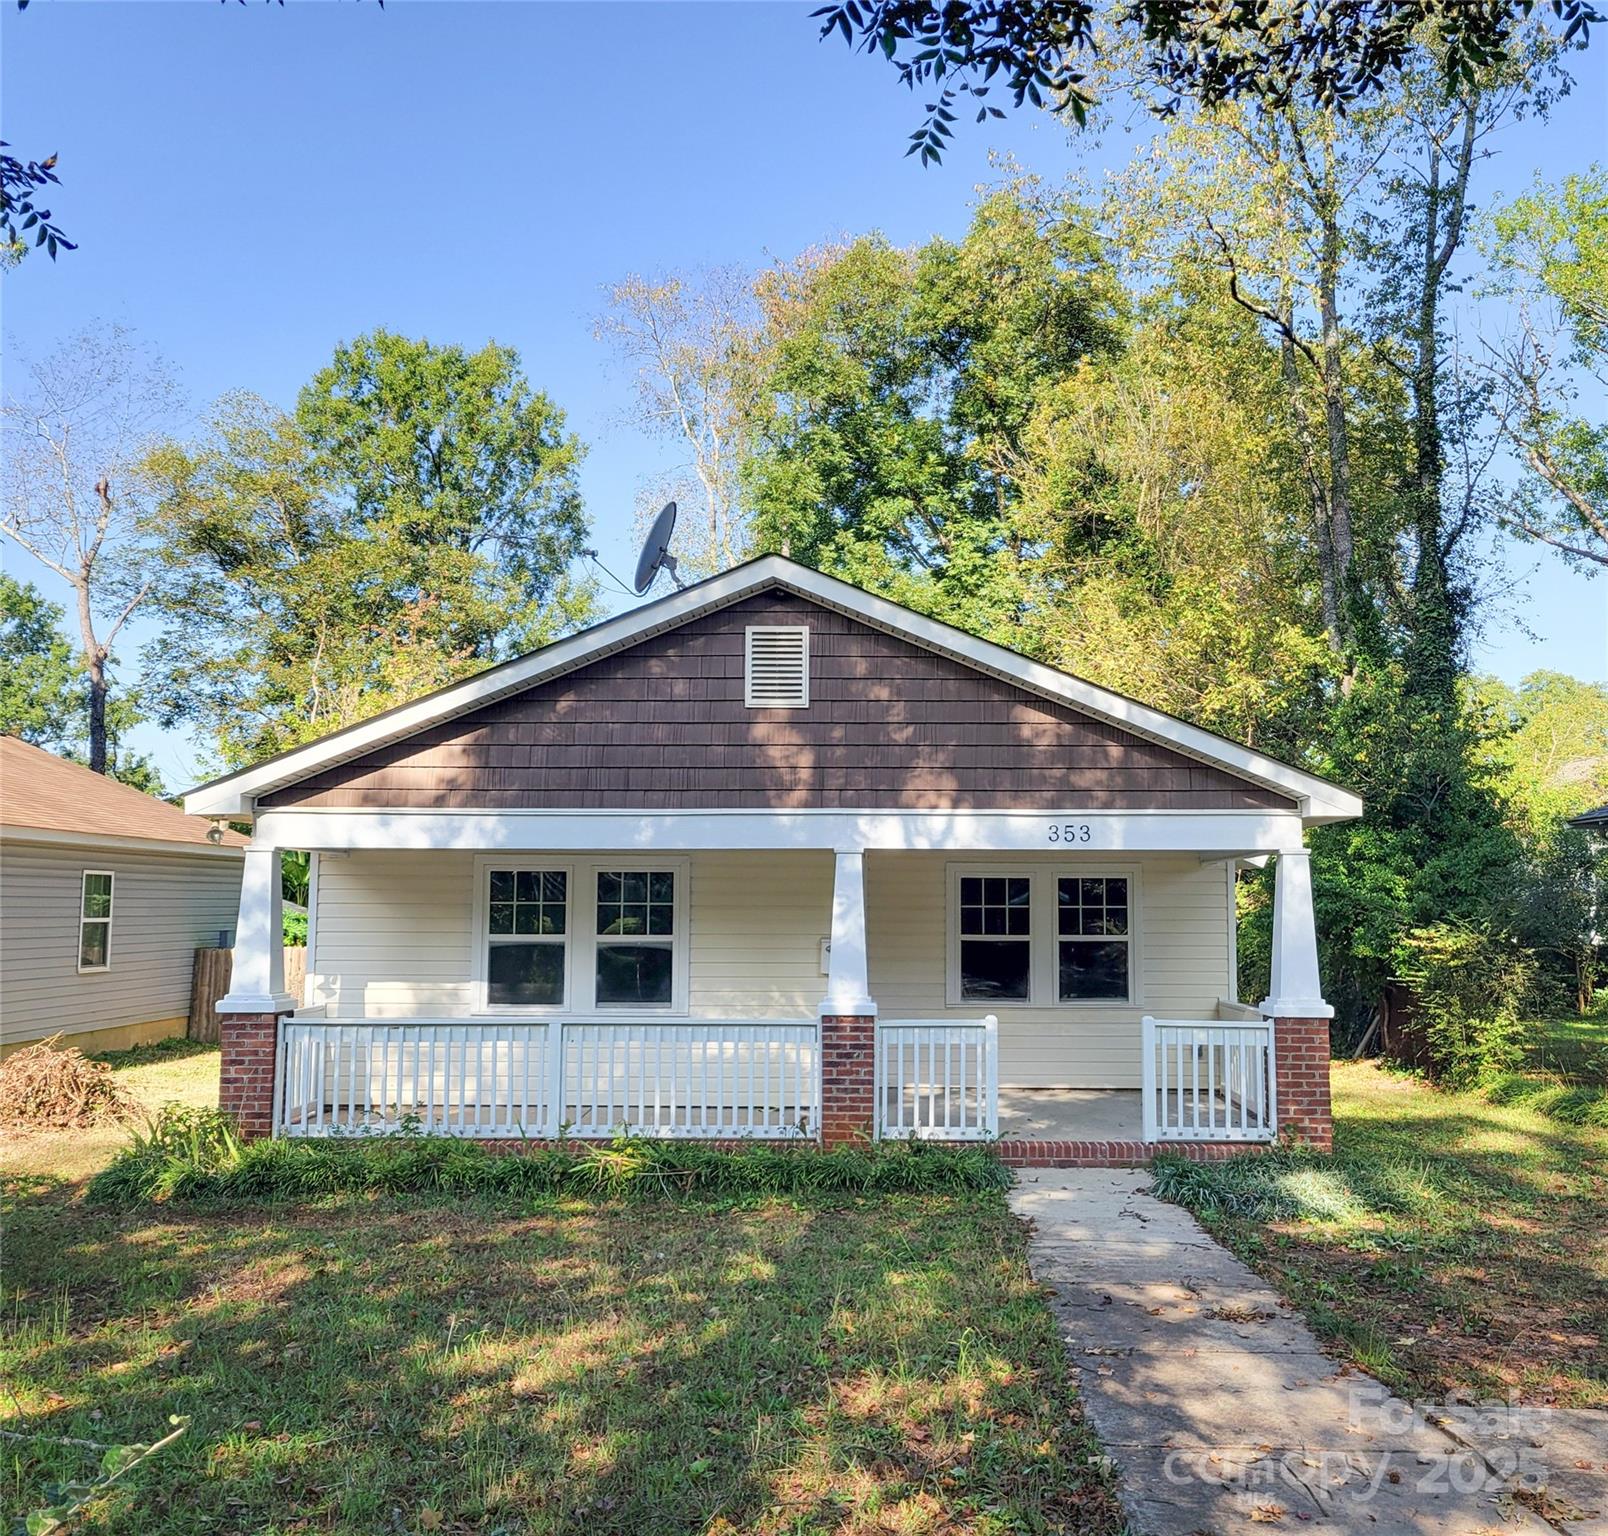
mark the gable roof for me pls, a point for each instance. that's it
(50, 799)
(236, 794)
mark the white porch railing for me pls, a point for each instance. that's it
(1208, 1080)
(938, 1079)
(484, 1079)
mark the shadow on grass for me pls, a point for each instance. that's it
(649, 1368)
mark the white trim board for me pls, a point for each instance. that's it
(49, 837)
(236, 795)
(1221, 832)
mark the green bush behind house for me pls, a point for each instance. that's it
(191, 1154)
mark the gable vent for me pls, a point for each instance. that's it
(777, 670)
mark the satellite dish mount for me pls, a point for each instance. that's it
(656, 556)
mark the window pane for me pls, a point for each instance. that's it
(526, 885)
(502, 917)
(1019, 920)
(92, 943)
(994, 969)
(525, 975)
(971, 891)
(994, 892)
(635, 885)
(608, 886)
(634, 973)
(554, 884)
(661, 919)
(1017, 891)
(502, 885)
(1093, 970)
(993, 919)
(526, 914)
(971, 919)
(97, 895)
(661, 886)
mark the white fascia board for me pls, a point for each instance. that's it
(1221, 832)
(1317, 799)
(49, 837)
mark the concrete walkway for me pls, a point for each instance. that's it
(1222, 1415)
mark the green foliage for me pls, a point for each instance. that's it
(1294, 1184)
(295, 927)
(190, 1154)
(1468, 988)
(412, 521)
(66, 1502)
(1583, 1104)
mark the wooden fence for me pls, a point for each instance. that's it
(210, 981)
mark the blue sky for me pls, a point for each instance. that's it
(251, 184)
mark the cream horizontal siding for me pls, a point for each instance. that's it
(394, 934)
(165, 906)
(1183, 939)
(394, 939)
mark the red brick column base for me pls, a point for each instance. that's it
(246, 1071)
(1301, 1057)
(848, 1079)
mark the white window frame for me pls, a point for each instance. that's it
(111, 909)
(1044, 974)
(1131, 938)
(581, 937)
(954, 993)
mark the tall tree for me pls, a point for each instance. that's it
(686, 340)
(413, 520)
(75, 437)
(1550, 255)
(41, 686)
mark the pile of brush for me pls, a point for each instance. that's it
(47, 1087)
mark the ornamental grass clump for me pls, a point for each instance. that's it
(48, 1087)
(196, 1155)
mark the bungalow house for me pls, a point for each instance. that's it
(774, 857)
(105, 896)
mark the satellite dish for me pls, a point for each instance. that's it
(656, 556)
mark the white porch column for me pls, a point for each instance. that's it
(848, 991)
(257, 984)
(1296, 992)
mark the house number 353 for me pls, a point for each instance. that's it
(1069, 831)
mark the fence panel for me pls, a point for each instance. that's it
(1205, 1080)
(938, 1079)
(209, 981)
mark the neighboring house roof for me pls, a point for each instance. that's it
(45, 798)
(238, 793)
(1592, 821)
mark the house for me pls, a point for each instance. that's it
(105, 895)
(771, 856)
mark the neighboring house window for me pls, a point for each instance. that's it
(95, 921)
(527, 947)
(996, 938)
(636, 931)
(776, 667)
(1093, 952)
(589, 937)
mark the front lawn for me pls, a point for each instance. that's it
(1451, 1244)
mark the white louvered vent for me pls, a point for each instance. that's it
(777, 670)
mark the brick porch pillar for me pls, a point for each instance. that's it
(1299, 1014)
(1301, 1065)
(248, 1016)
(246, 1071)
(848, 1078)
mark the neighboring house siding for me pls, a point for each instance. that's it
(395, 939)
(164, 907)
(663, 725)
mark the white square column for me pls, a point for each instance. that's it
(257, 984)
(848, 991)
(1296, 992)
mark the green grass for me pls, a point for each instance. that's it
(1573, 1049)
(486, 1357)
(1449, 1244)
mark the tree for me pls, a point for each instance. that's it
(1550, 253)
(411, 521)
(1327, 54)
(74, 440)
(41, 693)
(686, 340)
(21, 216)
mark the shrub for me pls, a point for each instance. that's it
(46, 1087)
(195, 1154)
(1468, 986)
(1295, 1184)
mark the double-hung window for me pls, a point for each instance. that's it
(590, 937)
(95, 921)
(1041, 936)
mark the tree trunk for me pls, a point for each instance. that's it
(95, 671)
(1334, 389)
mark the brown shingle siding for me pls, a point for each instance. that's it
(663, 726)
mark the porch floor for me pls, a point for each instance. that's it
(1069, 1114)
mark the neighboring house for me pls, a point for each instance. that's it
(105, 895)
(771, 856)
